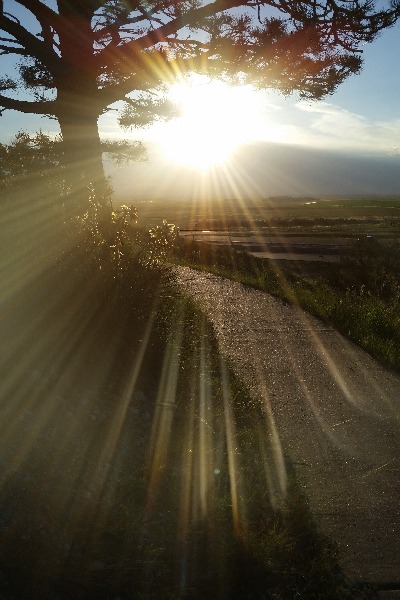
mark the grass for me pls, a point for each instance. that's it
(360, 295)
(350, 216)
(134, 463)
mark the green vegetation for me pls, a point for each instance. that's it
(278, 215)
(360, 295)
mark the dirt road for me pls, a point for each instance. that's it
(335, 412)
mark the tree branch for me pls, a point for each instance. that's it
(44, 107)
(10, 50)
(32, 45)
(142, 80)
(43, 13)
(114, 52)
(118, 91)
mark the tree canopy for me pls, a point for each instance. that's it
(76, 58)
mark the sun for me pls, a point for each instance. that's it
(215, 119)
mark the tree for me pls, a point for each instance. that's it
(36, 160)
(79, 57)
(35, 156)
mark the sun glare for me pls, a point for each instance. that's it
(215, 119)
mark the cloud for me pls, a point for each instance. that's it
(334, 127)
(271, 117)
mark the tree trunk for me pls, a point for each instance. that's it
(83, 164)
(78, 109)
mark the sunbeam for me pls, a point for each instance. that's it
(231, 446)
(164, 410)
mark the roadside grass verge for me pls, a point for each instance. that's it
(360, 295)
(133, 462)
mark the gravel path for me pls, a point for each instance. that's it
(334, 410)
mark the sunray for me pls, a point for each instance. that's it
(231, 446)
(164, 410)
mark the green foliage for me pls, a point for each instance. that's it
(374, 268)
(138, 47)
(162, 240)
(110, 249)
(31, 159)
(38, 158)
(146, 108)
(34, 76)
(123, 152)
(6, 83)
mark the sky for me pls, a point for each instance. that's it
(348, 143)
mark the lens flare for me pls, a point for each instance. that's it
(216, 118)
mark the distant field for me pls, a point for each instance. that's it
(350, 216)
(331, 259)
(277, 247)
